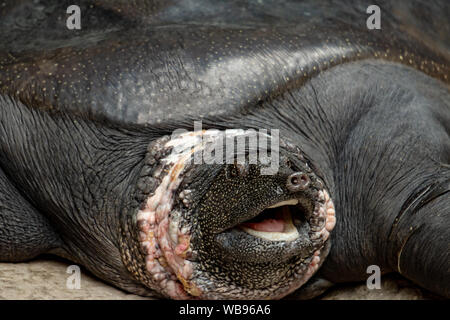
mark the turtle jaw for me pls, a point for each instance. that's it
(276, 223)
(285, 230)
(302, 255)
(282, 221)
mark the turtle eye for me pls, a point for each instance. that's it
(237, 170)
(233, 171)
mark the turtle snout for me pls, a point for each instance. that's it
(298, 181)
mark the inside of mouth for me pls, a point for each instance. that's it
(280, 219)
(270, 220)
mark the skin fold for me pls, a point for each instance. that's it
(89, 168)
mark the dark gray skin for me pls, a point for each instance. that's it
(369, 110)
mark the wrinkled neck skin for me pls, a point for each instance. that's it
(80, 174)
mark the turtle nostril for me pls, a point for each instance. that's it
(297, 181)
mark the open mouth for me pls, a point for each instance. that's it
(277, 222)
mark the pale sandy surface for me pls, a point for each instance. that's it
(46, 279)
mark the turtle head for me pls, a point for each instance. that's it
(234, 228)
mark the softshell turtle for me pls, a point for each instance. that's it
(99, 127)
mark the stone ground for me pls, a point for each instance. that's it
(46, 279)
